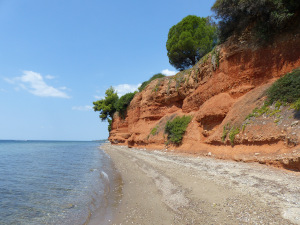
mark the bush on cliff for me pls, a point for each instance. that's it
(266, 17)
(122, 104)
(286, 89)
(189, 40)
(145, 83)
(176, 128)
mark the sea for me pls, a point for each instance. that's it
(54, 182)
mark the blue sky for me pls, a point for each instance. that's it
(57, 57)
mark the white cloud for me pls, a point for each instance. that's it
(49, 77)
(168, 72)
(122, 89)
(98, 97)
(34, 83)
(83, 108)
(2, 90)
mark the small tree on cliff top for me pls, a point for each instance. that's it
(106, 106)
(189, 40)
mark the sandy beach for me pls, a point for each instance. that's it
(166, 188)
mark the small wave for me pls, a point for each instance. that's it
(104, 176)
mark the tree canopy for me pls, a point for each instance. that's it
(111, 104)
(267, 17)
(189, 40)
(106, 106)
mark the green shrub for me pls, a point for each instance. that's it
(145, 83)
(226, 130)
(250, 115)
(296, 105)
(234, 131)
(278, 105)
(154, 131)
(215, 58)
(265, 109)
(122, 104)
(286, 89)
(244, 126)
(260, 111)
(176, 128)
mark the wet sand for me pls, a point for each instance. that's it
(165, 188)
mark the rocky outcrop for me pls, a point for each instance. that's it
(220, 90)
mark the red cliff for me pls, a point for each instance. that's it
(221, 89)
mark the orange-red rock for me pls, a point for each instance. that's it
(215, 98)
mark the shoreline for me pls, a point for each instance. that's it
(105, 213)
(167, 188)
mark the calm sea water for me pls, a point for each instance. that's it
(51, 182)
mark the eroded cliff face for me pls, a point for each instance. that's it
(220, 90)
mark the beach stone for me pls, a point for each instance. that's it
(294, 123)
(70, 206)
